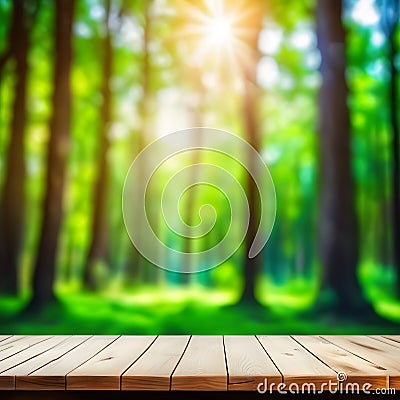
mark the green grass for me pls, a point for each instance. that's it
(174, 310)
(378, 282)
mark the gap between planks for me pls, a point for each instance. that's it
(194, 362)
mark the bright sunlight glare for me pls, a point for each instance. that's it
(220, 30)
(221, 35)
(365, 12)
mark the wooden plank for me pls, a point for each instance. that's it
(202, 366)
(22, 371)
(153, 370)
(297, 365)
(395, 338)
(199, 363)
(385, 340)
(383, 354)
(19, 345)
(103, 371)
(356, 369)
(4, 337)
(52, 375)
(7, 381)
(248, 363)
(10, 339)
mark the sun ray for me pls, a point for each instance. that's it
(221, 34)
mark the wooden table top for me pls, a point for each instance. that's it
(197, 362)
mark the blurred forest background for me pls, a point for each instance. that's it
(312, 85)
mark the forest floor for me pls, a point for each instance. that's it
(177, 311)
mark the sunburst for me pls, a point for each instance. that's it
(222, 33)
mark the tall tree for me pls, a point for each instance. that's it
(250, 117)
(98, 249)
(338, 230)
(58, 146)
(146, 269)
(192, 194)
(390, 22)
(137, 266)
(12, 205)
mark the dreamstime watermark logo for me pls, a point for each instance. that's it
(337, 386)
(341, 376)
(165, 172)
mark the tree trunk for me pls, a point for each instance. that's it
(98, 250)
(12, 207)
(338, 230)
(251, 265)
(393, 109)
(139, 268)
(192, 194)
(252, 134)
(58, 147)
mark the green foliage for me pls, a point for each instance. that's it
(179, 94)
(175, 311)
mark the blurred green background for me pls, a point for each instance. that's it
(312, 85)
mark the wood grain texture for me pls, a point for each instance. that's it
(26, 355)
(153, 370)
(10, 339)
(248, 363)
(385, 340)
(7, 383)
(20, 344)
(22, 372)
(202, 366)
(297, 365)
(377, 352)
(103, 371)
(357, 370)
(52, 375)
(4, 337)
(197, 363)
(395, 338)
